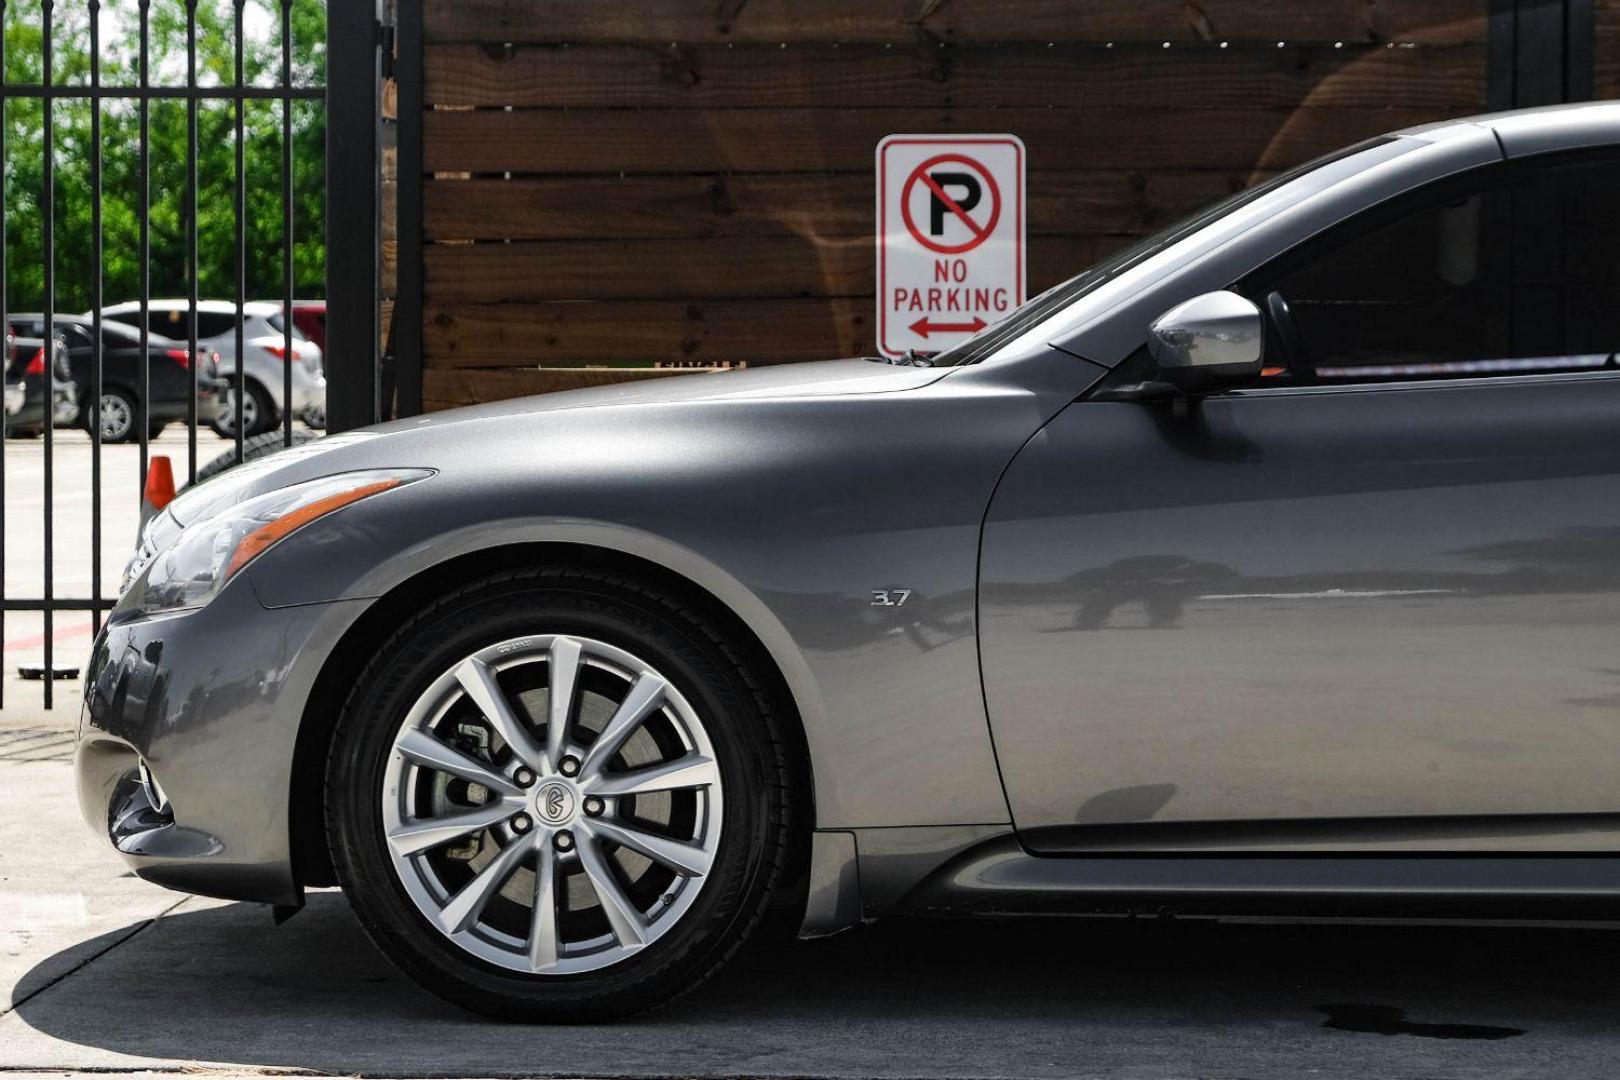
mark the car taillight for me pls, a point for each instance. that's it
(36, 366)
(213, 363)
(179, 356)
(280, 352)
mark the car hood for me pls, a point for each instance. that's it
(821, 378)
(421, 440)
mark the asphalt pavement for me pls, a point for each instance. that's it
(102, 972)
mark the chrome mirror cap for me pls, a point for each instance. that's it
(1212, 342)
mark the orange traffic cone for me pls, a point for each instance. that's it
(159, 487)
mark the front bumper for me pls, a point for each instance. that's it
(211, 700)
(309, 393)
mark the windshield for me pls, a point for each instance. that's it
(1060, 296)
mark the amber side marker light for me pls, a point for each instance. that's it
(267, 535)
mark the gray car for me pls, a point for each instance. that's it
(1272, 565)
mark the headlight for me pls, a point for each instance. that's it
(176, 568)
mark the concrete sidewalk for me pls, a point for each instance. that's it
(100, 971)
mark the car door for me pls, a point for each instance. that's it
(1373, 602)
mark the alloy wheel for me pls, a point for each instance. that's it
(117, 418)
(552, 804)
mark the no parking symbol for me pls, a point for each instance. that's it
(950, 239)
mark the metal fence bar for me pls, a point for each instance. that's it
(170, 93)
(5, 360)
(48, 253)
(95, 311)
(192, 286)
(144, 216)
(407, 335)
(61, 603)
(353, 75)
(286, 228)
(241, 245)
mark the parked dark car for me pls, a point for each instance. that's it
(1270, 566)
(169, 375)
(25, 387)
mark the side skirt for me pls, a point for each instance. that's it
(1001, 877)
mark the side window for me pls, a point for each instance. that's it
(169, 324)
(212, 324)
(1516, 269)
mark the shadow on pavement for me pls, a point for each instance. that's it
(907, 998)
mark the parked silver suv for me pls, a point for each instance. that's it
(264, 342)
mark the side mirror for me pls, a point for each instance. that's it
(1210, 343)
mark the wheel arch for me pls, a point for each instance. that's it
(264, 389)
(249, 379)
(311, 856)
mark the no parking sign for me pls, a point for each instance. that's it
(950, 237)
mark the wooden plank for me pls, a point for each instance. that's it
(879, 21)
(818, 206)
(1606, 16)
(818, 140)
(388, 209)
(645, 331)
(925, 75)
(737, 267)
(388, 268)
(447, 388)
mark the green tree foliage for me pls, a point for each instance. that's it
(167, 121)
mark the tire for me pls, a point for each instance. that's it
(259, 412)
(119, 415)
(252, 449)
(691, 924)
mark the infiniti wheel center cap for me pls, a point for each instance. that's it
(555, 803)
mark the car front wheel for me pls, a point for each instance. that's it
(558, 795)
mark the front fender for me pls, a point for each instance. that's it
(843, 531)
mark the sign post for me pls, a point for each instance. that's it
(950, 238)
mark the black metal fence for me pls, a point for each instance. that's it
(350, 175)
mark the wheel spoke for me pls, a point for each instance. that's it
(646, 694)
(693, 770)
(419, 836)
(426, 750)
(687, 859)
(478, 680)
(543, 944)
(464, 908)
(564, 665)
(625, 920)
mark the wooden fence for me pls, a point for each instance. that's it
(610, 188)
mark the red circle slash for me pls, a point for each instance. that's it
(980, 233)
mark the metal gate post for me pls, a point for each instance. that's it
(353, 97)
